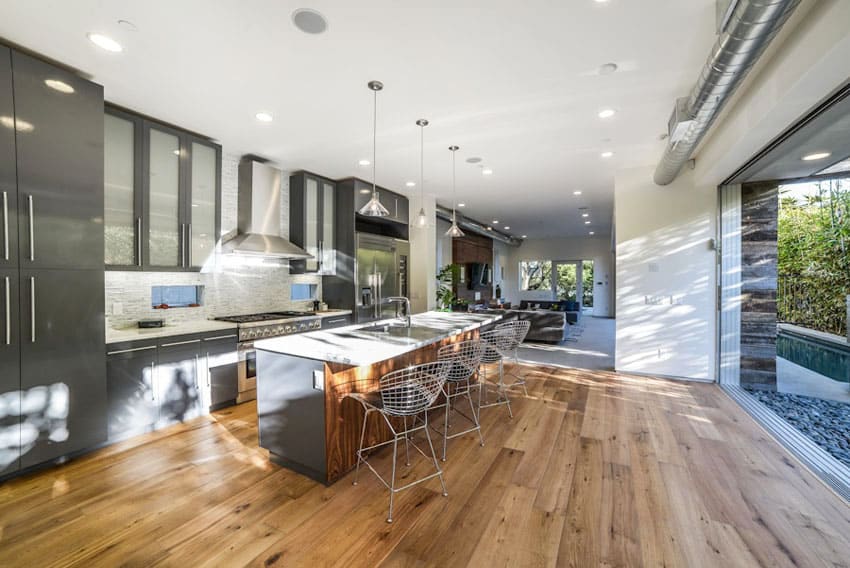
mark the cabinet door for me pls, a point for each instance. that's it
(10, 376)
(311, 222)
(8, 169)
(63, 367)
(122, 210)
(166, 233)
(328, 243)
(203, 203)
(59, 142)
(177, 377)
(220, 360)
(129, 385)
(402, 209)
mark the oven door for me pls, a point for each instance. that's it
(247, 372)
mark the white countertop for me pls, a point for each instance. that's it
(135, 334)
(350, 346)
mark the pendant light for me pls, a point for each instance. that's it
(374, 208)
(454, 231)
(422, 218)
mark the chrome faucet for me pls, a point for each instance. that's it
(402, 299)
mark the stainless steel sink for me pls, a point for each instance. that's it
(401, 330)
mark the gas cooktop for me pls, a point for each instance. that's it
(268, 316)
(273, 324)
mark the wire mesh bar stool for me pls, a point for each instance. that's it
(464, 359)
(494, 344)
(404, 393)
(519, 329)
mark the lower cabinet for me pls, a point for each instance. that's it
(331, 322)
(154, 383)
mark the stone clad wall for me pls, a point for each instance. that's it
(759, 259)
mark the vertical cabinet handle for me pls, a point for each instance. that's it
(153, 382)
(32, 228)
(138, 241)
(8, 314)
(321, 254)
(32, 309)
(188, 245)
(209, 381)
(5, 226)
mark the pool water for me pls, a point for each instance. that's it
(829, 359)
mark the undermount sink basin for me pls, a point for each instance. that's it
(401, 330)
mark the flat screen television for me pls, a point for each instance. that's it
(479, 275)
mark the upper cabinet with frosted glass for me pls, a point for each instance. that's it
(312, 210)
(163, 195)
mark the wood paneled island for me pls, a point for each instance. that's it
(305, 419)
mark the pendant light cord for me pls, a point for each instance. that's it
(422, 166)
(374, 142)
(454, 188)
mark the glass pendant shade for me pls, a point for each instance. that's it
(454, 231)
(374, 208)
(422, 219)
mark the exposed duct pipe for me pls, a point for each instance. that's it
(474, 226)
(748, 31)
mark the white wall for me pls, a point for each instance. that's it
(597, 249)
(423, 256)
(665, 275)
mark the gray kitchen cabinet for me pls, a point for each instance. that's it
(8, 170)
(312, 213)
(59, 147)
(331, 322)
(178, 372)
(63, 370)
(220, 362)
(130, 371)
(163, 195)
(10, 376)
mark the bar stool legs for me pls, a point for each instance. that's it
(453, 390)
(500, 387)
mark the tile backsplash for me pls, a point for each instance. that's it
(232, 285)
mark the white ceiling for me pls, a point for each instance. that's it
(513, 82)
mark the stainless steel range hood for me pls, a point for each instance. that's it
(258, 211)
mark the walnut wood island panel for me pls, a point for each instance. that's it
(305, 418)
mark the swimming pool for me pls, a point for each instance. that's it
(829, 358)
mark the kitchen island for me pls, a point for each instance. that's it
(305, 419)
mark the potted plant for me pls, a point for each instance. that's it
(460, 305)
(447, 280)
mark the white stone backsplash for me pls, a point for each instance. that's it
(232, 285)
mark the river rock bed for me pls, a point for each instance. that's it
(825, 422)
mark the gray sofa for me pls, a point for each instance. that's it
(546, 325)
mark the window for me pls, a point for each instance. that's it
(176, 296)
(535, 275)
(303, 291)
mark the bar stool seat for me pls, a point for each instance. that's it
(402, 394)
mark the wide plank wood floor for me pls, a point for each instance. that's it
(596, 469)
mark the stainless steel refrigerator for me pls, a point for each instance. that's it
(380, 271)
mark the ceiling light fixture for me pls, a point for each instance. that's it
(410, 184)
(591, 233)
(454, 231)
(422, 218)
(816, 156)
(525, 236)
(60, 86)
(486, 172)
(607, 68)
(585, 214)
(507, 228)
(16, 124)
(577, 192)
(374, 208)
(264, 117)
(309, 21)
(461, 204)
(607, 113)
(105, 42)
(473, 160)
(587, 222)
(364, 162)
(606, 154)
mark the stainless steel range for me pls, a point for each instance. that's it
(264, 326)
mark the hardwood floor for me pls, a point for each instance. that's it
(595, 469)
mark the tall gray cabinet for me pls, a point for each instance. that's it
(52, 365)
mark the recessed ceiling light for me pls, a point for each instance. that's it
(607, 113)
(461, 204)
(365, 191)
(607, 68)
(601, 1)
(576, 193)
(489, 228)
(17, 124)
(264, 117)
(591, 233)
(587, 222)
(486, 171)
(309, 21)
(507, 228)
(58, 85)
(817, 156)
(495, 221)
(176, 152)
(364, 162)
(473, 160)
(410, 184)
(607, 154)
(585, 214)
(525, 236)
(128, 25)
(105, 42)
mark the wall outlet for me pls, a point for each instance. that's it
(117, 308)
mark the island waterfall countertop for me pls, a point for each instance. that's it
(353, 345)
